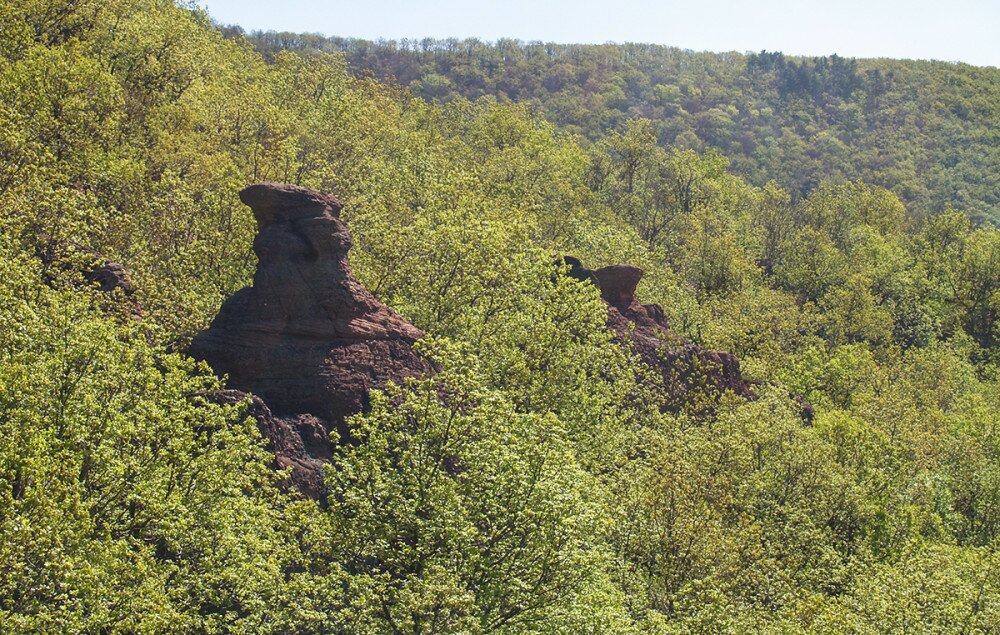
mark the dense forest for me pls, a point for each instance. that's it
(928, 131)
(818, 219)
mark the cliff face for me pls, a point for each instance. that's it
(307, 337)
(688, 376)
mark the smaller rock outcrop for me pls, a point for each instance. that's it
(690, 377)
(65, 257)
(110, 276)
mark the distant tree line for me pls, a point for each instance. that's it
(929, 131)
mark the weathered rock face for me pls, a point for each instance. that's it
(307, 337)
(108, 276)
(691, 376)
(299, 441)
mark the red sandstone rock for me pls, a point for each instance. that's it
(299, 442)
(691, 376)
(307, 337)
(108, 276)
(617, 284)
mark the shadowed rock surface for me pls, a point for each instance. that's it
(108, 276)
(307, 337)
(299, 441)
(691, 376)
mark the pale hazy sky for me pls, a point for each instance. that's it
(952, 30)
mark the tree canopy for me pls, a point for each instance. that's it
(821, 219)
(926, 130)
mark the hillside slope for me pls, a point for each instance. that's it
(583, 459)
(929, 131)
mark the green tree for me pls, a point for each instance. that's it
(457, 513)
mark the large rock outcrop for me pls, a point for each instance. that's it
(307, 337)
(690, 377)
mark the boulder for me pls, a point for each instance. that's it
(108, 276)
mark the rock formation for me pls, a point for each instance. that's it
(85, 266)
(298, 441)
(108, 276)
(307, 337)
(690, 376)
(310, 342)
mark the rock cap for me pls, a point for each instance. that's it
(275, 202)
(618, 282)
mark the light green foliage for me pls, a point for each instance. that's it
(925, 130)
(654, 189)
(813, 264)
(531, 485)
(836, 210)
(458, 513)
(752, 509)
(941, 589)
(853, 314)
(127, 503)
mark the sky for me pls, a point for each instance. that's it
(951, 30)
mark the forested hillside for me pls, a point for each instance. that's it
(556, 468)
(929, 131)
